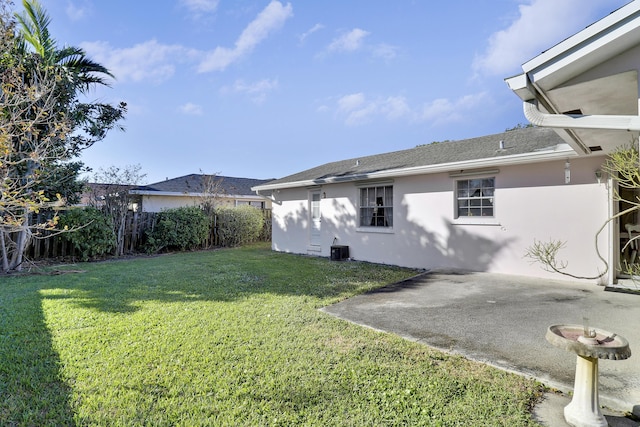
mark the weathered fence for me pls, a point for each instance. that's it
(49, 245)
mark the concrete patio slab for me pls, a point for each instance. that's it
(502, 320)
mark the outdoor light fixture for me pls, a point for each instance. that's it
(567, 172)
(599, 175)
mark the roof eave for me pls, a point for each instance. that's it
(593, 45)
(177, 194)
(562, 151)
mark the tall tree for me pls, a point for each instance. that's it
(109, 192)
(44, 125)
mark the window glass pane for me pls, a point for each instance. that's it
(363, 197)
(376, 206)
(474, 197)
(388, 197)
(371, 200)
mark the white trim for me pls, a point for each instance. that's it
(571, 121)
(477, 172)
(561, 151)
(379, 230)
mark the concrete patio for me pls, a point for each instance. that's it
(502, 320)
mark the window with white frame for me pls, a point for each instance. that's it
(376, 206)
(474, 197)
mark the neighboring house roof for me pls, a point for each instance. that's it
(93, 189)
(586, 86)
(518, 146)
(196, 184)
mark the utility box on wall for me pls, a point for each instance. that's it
(339, 252)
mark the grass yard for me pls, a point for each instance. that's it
(228, 338)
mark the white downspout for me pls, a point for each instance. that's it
(576, 121)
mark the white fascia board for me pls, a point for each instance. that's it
(176, 194)
(169, 193)
(519, 85)
(617, 32)
(244, 197)
(562, 151)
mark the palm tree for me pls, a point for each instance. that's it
(34, 29)
(50, 128)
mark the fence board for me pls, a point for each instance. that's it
(50, 245)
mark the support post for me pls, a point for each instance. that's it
(584, 409)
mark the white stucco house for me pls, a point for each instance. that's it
(189, 190)
(478, 204)
(475, 204)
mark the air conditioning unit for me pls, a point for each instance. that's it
(339, 252)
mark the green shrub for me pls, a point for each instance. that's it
(180, 228)
(93, 236)
(239, 226)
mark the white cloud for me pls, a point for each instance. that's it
(444, 110)
(191, 109)
(356, 109)
(395, 107)
(312, 30)
(148, 61)
(257, 91)
(270, 19)
(75, 12)
(201, 6)
(348, 42)
(351, 102)
(539, 25)
(385, 51)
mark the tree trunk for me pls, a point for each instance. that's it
(21, 244)
(5, 258)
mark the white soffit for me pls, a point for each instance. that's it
(601, 41)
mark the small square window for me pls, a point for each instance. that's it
(376, 206)
(474, 197)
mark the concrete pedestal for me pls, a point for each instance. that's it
(584, 409)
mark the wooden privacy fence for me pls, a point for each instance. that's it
(51, 245)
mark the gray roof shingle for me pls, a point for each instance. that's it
(519, 141)
(194, 183)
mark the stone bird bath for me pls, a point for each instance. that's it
(590, 344)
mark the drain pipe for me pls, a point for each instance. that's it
(577, 121)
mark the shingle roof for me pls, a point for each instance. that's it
(195, 183)
(520, 141)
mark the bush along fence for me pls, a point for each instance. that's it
(187, 228)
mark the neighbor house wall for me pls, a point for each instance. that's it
(161, 202)
(532, 202)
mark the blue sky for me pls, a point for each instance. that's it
(264, 89)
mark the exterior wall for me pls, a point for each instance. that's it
(532, 202)
(162, 202)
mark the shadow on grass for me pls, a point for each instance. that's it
(222, 276)
(32, 392)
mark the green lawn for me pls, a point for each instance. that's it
(228, 338)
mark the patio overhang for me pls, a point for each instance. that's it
(586, 87)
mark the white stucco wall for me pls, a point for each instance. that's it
(531, 202)
(157, 203)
